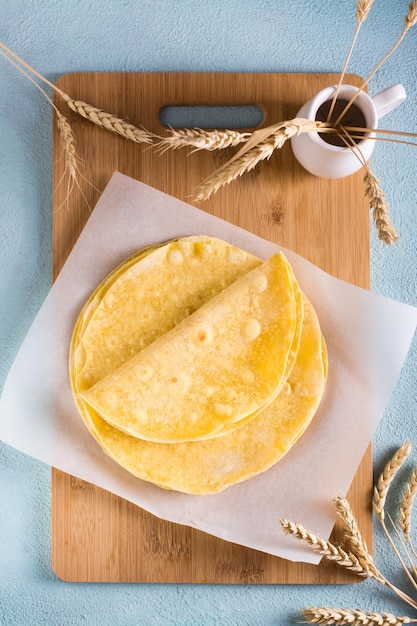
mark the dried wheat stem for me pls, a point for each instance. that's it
(68, 143)
(396, 551)
(362, 567)
(357, 617)
(353, 534)
(362, 9)
(203, 139)
(377, 201)
(97, 116)
(259, 147)
(409, 22)
(387, 476)
(405, 509)
(331, 552)
(385, 139)
(407, 503)
(108, 121)
(379, 206)
(413, 571)
(236, 169)
(64, 128)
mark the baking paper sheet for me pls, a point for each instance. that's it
(38, 415)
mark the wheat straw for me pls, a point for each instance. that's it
(65, 134)
(387, 476)
(363, 566)
(353, 534)
(379, 207)
(405, 509)
(93, 114)
(68, 143)
(108, 121)
(332, 553)
(259, 147)
(362, 9)
(409, 21)
(201, 139)
(357, 617)
(374, 193)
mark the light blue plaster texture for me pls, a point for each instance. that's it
(59, 36)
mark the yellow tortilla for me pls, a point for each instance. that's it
(206, 467)
(214, 370)
(147, 296)
(248, 448)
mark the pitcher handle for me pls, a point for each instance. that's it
(389, 98)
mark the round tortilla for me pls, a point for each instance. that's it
(214, 370)
(207, 467)
(249, 447)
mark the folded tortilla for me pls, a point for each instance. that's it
(125, 315)
(149, 294)
(213, 371)
(210, 466)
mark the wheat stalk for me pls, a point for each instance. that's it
(108, 121)
(374, 193)
(93, 114)
(353, 534)
(362, 9)
(357, 617)
(409, 21)
(68, 143)
(97, 116)
(405, 509)
(201, 139)
(380, 495)
(379, 207)
(259, 147)
(387, 476)
(65, 134)
(348, 560)
(358, 560)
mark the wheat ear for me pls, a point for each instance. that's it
(409, 21)
(379, 206)
(357, 617)
(261, 145)
(107, 120)
(353, 534)
(362, 9)
(363, 566)
(380, 495)
(331, 552)
(387, 476)
(377, 201)
(201, 139)
(93, 114)
(64, 129)
(405, 509)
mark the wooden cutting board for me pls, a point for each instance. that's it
(96, 536)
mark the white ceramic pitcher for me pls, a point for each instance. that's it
(323, 159)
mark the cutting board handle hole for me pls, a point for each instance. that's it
(240, 117)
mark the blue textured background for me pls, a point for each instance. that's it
(168, 35)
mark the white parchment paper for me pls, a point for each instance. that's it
(38, 415)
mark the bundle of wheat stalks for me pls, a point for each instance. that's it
(262, 143)
(257, 146)
(355, 555)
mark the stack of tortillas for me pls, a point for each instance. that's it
(195, 365)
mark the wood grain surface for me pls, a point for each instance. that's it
(97, 536)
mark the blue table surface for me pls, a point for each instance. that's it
(179, 35)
